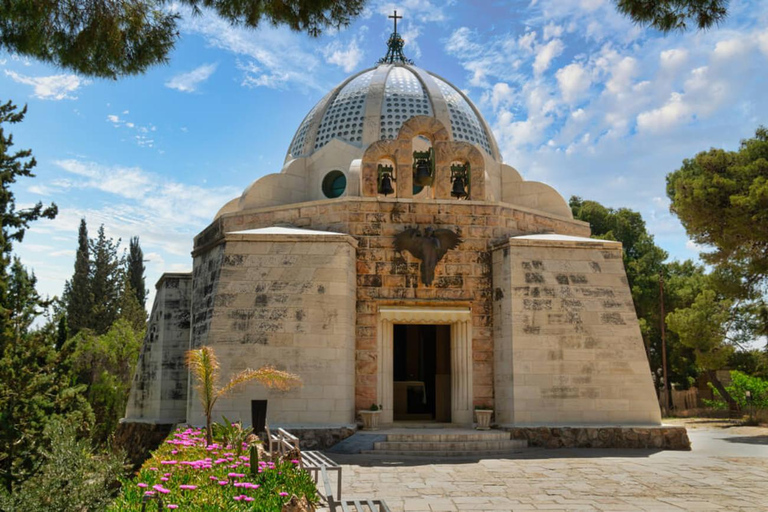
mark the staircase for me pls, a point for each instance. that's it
(447, 443)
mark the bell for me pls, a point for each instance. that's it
(423, 175)
(458, 188)
(385, 187)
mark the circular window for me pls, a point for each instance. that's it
(334, 184)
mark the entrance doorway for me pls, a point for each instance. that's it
(421, 370)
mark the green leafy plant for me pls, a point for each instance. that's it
(483, 407)
(750, 393)
(231, 434)
(375, 407)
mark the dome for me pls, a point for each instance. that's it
(373, 104)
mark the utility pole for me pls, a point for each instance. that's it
(663, 345)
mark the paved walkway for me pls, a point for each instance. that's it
(726, 470)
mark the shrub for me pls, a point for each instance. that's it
(187, 473)
(72, 478)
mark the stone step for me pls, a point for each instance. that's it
(443, 454)
(448, 438)
(454, 446)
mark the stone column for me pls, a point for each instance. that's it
(461, 372)
(386, 353)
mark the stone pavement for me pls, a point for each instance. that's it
(726, 470)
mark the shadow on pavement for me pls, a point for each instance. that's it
(369, 460)
(762, 440)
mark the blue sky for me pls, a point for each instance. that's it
(577, 96)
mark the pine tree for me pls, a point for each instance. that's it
(136, 271)
(130, 309)
(32, 392)
(14, 222)
(105, 280)
(77, 297)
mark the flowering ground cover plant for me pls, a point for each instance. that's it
(185, 474)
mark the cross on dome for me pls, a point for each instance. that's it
(395, 45)
(395, 17)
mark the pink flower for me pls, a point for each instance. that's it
(149, 493)
(142, 485)
(247, 498)
(223, 482)
(283, 494)
(187, 487)
(164, 479)
(168, 462)
(159, 488)
(172, 505)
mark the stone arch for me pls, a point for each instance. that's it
(450, 151)
(428, 126)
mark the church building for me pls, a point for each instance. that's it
(396, 260)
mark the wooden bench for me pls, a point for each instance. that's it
(309, 460)
(358, 505)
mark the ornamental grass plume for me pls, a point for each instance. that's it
(204, 367)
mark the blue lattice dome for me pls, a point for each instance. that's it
(373, 104)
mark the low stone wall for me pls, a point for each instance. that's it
(319, 438)
(139, 439)
(660, 438)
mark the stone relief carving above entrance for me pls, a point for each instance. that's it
(429, 247)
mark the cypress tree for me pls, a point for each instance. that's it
(77, 297)
(136, 271)
(106, 280)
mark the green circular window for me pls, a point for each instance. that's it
(334, 184)
(417, 189)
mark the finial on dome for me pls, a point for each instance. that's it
(395, 47)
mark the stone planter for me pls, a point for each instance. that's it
(370, 419)
(483, 417)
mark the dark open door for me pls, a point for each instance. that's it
(258, 415)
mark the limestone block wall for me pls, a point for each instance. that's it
(567, 343)
(283, 300)
(386, 277)
(159, 388)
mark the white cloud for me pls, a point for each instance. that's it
(189, 82)
(269, 57)
(574, 82)
(552, 30)
(140, 201)
(672, 59)
(545, 54)
(54, 87)
(346, 56)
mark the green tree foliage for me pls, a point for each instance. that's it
(77, 295)
(113, 38)
(130, 309)
(751, 362)
(72, 477)
(13, 165)
(105, 364)
(669, 15)
(31, 390)
(135, 270)
(741, 383)
(721, 197)
(106, 278)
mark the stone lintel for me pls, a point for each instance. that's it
(433, 315)
(561, 241)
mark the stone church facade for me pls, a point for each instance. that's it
(527, 314)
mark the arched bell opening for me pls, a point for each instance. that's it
(386, 178)
(461, 179)
(423, 167)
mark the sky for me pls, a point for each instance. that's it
(577, 96)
